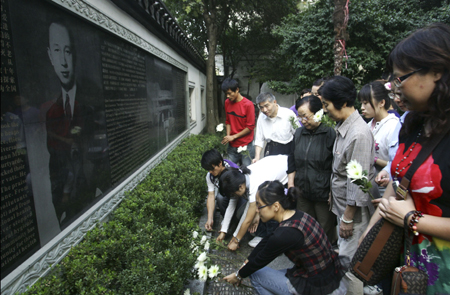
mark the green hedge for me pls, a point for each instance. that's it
(144, 249)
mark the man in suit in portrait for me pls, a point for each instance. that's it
(69, 124)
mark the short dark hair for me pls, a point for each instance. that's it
(231, 84)
(375, 91)
(339, 90)
(210, 158)
(315, 104)
(304, 91)
(273, 191)
(231, 179)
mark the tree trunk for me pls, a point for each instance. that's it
(340, 19)
(211, 104)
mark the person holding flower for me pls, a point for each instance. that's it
(276, 127)
(309, 166)
(375, 103)
(317, 269)
(421, 67)
(354, 141)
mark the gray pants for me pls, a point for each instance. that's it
(348, 247)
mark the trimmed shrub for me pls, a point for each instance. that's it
(145, 247)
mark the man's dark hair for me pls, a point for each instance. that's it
(210, 158)
(231, 84)
(304, 91)
(231, 179)
(339, 90)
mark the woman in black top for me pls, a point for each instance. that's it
(309, 166)
(316, 270)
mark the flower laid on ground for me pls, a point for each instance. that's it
(187, 292)
(358, 176)
(203, 273)
(318, 116)
(195, 234)
(203, 240)
(220, 127)
(206, 247)
(213, 271)
(202, 257)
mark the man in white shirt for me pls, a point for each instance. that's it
(276, 126)
(243, 183)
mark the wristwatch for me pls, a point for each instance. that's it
(238, 276)
(237, 239)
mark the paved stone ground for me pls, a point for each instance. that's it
(230, 262)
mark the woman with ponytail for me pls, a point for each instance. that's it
(316, 270)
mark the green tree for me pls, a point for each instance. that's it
(374, 27)
(240, 30)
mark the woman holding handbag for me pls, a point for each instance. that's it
(421, 67)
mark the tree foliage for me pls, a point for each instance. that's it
(374, 27)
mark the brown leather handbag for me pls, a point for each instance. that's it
(408, 279)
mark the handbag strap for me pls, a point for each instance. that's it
(424, 153)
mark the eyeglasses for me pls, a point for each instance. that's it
(398, 81)
(260, 207)
(301, 118)
(394, 96)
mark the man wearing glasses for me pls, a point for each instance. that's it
(275, 127)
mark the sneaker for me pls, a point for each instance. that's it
(373, 290)
(254, 242)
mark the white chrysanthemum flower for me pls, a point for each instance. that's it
(219, 128)
(195, 234)
(244, 148)
(239, 149)
(318, 116)
(213, 271)
(193, 244)
(206, 246)
(203, 273)
(354, 170)
(203, 240)
(195, 249)
(202, 257)
(187, 292)
(199, 264)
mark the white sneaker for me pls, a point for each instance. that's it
(373, 290)
(254, 242)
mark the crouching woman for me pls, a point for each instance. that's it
(316, 270)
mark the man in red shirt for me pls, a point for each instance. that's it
(240, 122)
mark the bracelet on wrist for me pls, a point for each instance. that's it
(414, 220)
(238, 240)
(238, 276)
(345, 221)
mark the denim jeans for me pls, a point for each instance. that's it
(235, 157)
(269, 281)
